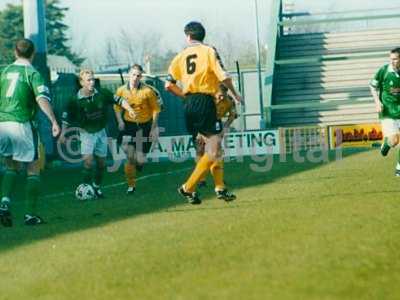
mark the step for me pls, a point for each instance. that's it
(339, 46)
(329, 35)
(328, 59)
(342, 117)
(351, 65)
(321, 77)
(323, 121)
(320, 52)
(311, 101)
(328, 93)
(332, 111)
(277, 99)
(282, 87)
(290, 42)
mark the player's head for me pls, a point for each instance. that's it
(135, 74)
(195, 31)
(25, 48)
(86, 80)
(395, 58)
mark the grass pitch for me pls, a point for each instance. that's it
(300, 231)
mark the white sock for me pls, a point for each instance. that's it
(398, 166)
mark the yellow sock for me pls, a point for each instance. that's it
(217, 171)
(202, 178)
(202, 167)
(130, 174)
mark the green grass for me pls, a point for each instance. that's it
(300, 231)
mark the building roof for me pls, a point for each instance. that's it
(61, 64)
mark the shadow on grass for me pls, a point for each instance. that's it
(156, 191)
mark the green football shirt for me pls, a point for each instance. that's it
(387, 82)
(90, 113)
(20, 85)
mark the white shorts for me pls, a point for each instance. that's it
(18, 141)
(390, 127)
(94, 143)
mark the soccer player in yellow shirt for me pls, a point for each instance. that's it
(199, 70)
(138, 132)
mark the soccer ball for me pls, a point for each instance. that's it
(85, 192)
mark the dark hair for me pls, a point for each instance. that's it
(395, 50)
(195, 30)
(137, 67)
(24, 48)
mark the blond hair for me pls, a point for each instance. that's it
(85, 72)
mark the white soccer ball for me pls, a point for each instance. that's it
(85, 192)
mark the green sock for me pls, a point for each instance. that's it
(87, 175)
(398, 159)
(8, 183)
(386, 142)
(98, 175)
(32, 193)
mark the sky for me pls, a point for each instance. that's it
(92, 22)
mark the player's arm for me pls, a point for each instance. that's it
(374, 87)
(229, 85)
(118, 100)
(375, 95)
(42, 96)
(222, 75)
(48, 111)
(174, 75)
(118, 117)
(170, 86)
(118, 108)
(125, 105)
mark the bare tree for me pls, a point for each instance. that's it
(135, 47)
(111, 52)
(128, 45)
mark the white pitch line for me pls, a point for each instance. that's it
(119, 183)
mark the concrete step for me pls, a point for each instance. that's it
(355, 99)
(319, 52)
(292, 42)
(349, 66)
(318, 77)
(336, 35)
(345, 91)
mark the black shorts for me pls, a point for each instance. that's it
(201, 115)
(137, 134)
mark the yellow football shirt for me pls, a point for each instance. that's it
(142, 99)
(198, 68)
